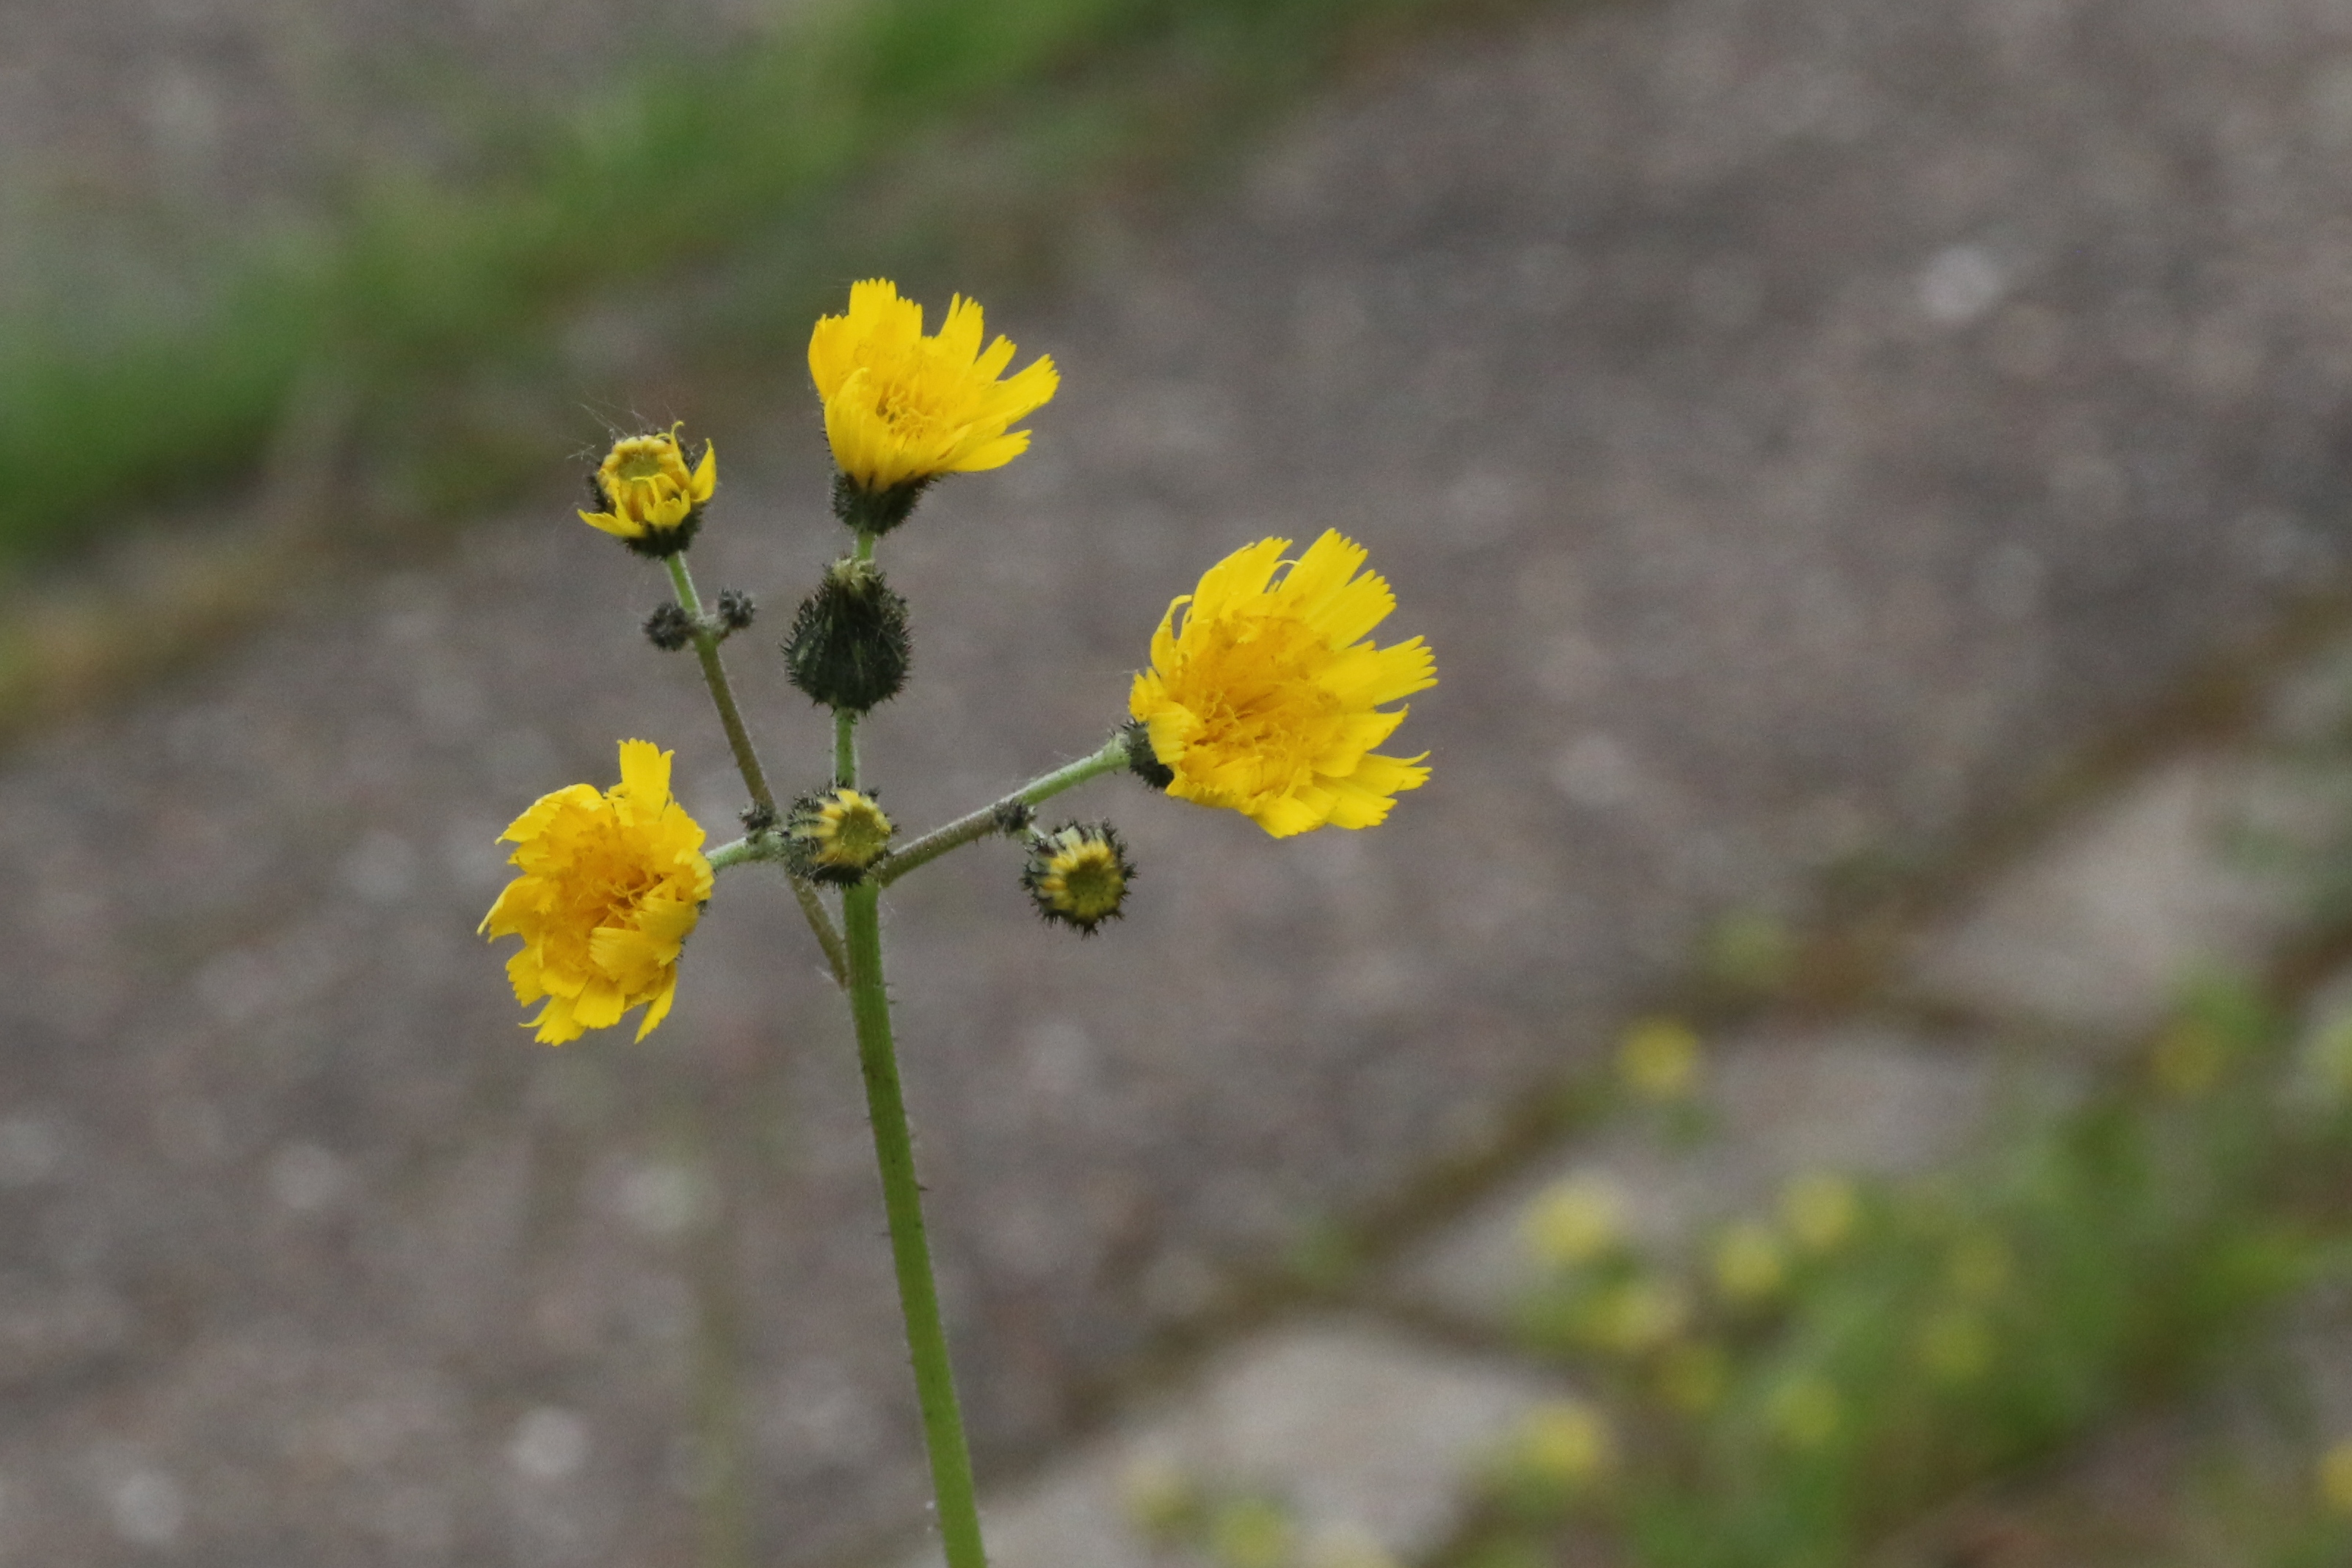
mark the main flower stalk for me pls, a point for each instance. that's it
(902, 1200)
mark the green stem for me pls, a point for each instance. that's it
(989, 819)
(845, 748)
(918, 1297)
(746, 760)
(747, 851)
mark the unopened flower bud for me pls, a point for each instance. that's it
(1015, 816)
(669, 628)
(1078, 874)
(736, 609)
(849, 648)
(835, 833)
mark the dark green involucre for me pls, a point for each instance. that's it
(849, 647)
(862, 510)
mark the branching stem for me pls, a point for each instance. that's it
(746, 760)
(989, 819)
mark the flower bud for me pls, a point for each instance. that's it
(849, 648)
(669, 627)
(1078, 875)
(834, 835)
(736, 609)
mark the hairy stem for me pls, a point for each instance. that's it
(902, 1199)
(989, 819)
(746, 760)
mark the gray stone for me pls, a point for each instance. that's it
(1359, 1432)
(2179, 875)
(1850, 1099)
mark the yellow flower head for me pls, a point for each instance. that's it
(1955, 1344)
(1805, 1411)
(835, 835)
(1078, 875)
(1820, 1210)
(1750, 1263)
(1566, 1442)
(1693, 1375)
(1267, 699)
(1573, 1222)
(901, 408)
(653, 501)
(1637, 1316)
(610, 885)
(2335, 1476)
(1659, 1059)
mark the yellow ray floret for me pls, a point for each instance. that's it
(901, 408)
(610, 885)
(647, 487)
(1267, 698)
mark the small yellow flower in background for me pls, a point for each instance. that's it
(2334, 1475)
(835, 835)
(1158, 1497)
(1564, 1442)
(650, 494)
(1659, 1059)
(1820, 1210)
(1956, 1346)
(1806, 1411)
(1252, 1532)
(1346, 1546)
(2327, 1058)
(610, 885)
(1750, 1262)
(1078, 875)
(1573, 1222)
(1266, 700)
(901, 408)
(1693, 1375)
(1980, 1266)
(2188, 1059)
(1637, 1316)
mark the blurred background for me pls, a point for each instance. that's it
(1874, 479)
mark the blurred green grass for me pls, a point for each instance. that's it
(722, 199)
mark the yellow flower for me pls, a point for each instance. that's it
(902, 408)
(1659, 1059)
(1692, 1375)
(1956, 1346)
(1806, 1411)
(1566, 1442)
(1266, 701)
(1636, 1317)
(1820, 1210)
(2335, 1476)
(1750, 1262)
(1573, 1222)
(610, 885)
(653, 501)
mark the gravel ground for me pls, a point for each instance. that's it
(1798, 426)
